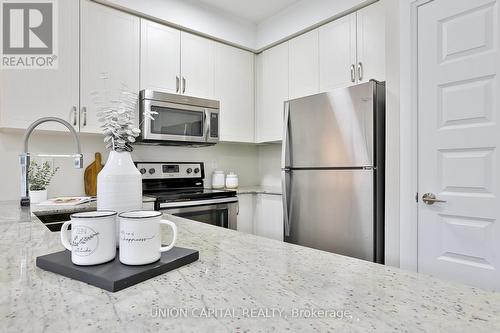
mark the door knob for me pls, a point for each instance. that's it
(430, 198)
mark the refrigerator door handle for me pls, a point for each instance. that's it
(284, 147)
(284, 185)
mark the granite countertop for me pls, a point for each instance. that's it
(259, 189)
(242, 282)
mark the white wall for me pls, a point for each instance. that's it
(270, 164)
(69, 181)
(195, 16)
(301, 15)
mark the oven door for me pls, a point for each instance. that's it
(222, 214)
(175, 122)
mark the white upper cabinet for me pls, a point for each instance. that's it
(371, 43)
(197, 65)
(304, 64)
(234, 88)
(160, 57)
(29, 94)
(109, 59)
(273, 92)
(337, 53)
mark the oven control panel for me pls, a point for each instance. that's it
(170, 170)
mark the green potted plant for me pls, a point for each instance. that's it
(39, 177)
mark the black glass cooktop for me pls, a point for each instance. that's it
(189, 194)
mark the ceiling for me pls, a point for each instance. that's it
(251, 10)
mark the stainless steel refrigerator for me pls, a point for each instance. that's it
(333, 171)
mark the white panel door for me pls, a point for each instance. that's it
(234, 88)
(160, 57)
(109, 59)
(459, 138)
(274, 92)
(371, 43)
(197, 65)
(29, 94)
(337, 53)
(304, 64)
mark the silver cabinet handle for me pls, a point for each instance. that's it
(74, 115)
(353, 73)
(84, 110)
(183, 84)
(430, 199)
(360, 71)
(177, 83)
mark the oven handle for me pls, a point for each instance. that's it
(179, 204)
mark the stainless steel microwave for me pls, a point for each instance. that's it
(178, 119)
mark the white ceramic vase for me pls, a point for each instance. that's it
(38, 196)
(119, 186)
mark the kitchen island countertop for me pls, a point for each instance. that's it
(241, 282)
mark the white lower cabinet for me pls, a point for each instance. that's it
(246, 213)
(261, 214)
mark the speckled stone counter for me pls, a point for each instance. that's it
(241, 283)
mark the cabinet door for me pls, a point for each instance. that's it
(371, 42)
(234, 88)
(274, 92)
(337, 53)
(269, 221)
(109, 59)
(304, 64)
(160, 57)
(29, 94)
(197, 65)
(246, 213)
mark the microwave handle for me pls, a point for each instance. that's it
(207, 124)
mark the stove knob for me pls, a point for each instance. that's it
(151, 171)
(196, 170)
(189, 170)
(142, 171)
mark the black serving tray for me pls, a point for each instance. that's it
(114, 276)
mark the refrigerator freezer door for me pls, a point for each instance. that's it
(332, 129)
(332, 210)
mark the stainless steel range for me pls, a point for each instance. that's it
(178, 190)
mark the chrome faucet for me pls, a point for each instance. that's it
(25, 156)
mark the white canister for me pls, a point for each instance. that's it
(232, 180)
(218, 179)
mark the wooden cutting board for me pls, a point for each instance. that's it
(90, 175)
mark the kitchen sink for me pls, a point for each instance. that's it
(54, 221)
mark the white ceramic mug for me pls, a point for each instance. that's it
(140, 237)
(92, 237)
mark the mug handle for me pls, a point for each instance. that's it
(64, 235)
(174, 238)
